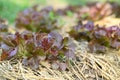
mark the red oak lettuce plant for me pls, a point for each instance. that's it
(36, 47)
(36, 20)
(98, 37)
(92, 11)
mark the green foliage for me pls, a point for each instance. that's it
(10, 8)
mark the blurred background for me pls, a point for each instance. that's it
(10, 8)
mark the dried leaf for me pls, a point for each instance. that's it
(4, 55)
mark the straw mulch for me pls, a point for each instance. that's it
(87, 66)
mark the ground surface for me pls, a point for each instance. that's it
(87, 66)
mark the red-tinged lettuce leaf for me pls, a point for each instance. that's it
(96, 47)
(13, 52)
(68, 43)
(63, 66)
(8, 53)
(58, 39)
(33, 62)
(70, 54)
(25, 61)
(26, 35)
(99, 11)
(115, 44)
(101, 36)
(29, 45)
(89, 26)
(112, 28)
(55, 65)
(79, 26)
(46, 43)
(117, 34)
(38, 37)
(82, 31)
(71, 45)
(54, 51)
(4, 47)
(7, 41)
(100, 32)
(10, 39)
(39, 51)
